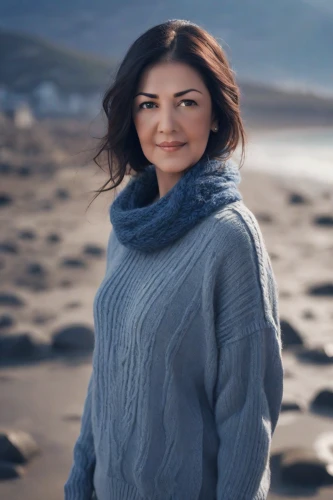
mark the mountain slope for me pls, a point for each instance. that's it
(286, 42)
(27, 60)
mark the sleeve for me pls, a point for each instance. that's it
(248, 400)
(249, 383)
(79, 485)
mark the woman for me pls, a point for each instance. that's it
(187, 375)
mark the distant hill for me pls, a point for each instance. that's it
(268, 106)
(283, 42)
(27, 60)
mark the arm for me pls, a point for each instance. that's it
(248, 399)
(249, 383)
(79, 485)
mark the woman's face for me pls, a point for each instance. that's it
(165, 117)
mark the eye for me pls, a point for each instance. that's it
(143, 103)
(151, 102)
(188, 100)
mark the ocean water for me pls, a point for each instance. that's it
(296, 152)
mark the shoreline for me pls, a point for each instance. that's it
(303, 126)
(274, 152)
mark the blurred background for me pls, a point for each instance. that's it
(56, 61)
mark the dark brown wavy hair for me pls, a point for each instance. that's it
(176, 40)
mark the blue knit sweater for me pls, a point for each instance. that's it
(187, 377)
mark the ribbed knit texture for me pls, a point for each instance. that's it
(187, 378)
(204, 188)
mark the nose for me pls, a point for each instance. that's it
(166, 120)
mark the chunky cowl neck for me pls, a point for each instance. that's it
(146, 226)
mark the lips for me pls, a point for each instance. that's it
(171, 144)
(171, 149)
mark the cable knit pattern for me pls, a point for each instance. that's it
(187, 376)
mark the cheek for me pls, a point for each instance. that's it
(200, 119)
(198, 127)
(142, 127)
(144, 134)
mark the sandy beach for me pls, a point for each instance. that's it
(52, 259)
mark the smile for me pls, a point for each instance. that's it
(169, 149)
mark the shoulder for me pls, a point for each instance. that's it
(244, 275)
(238, 232)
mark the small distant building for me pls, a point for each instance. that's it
(47, 99)
(23, 116)
(93, 104)
(84, 105)
(75, 104)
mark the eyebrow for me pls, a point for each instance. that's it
(177, 94)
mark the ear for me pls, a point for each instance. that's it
(214, 126)
(214, 121)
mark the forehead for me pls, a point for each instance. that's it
(170, 77)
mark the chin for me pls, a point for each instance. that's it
(176, 173)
